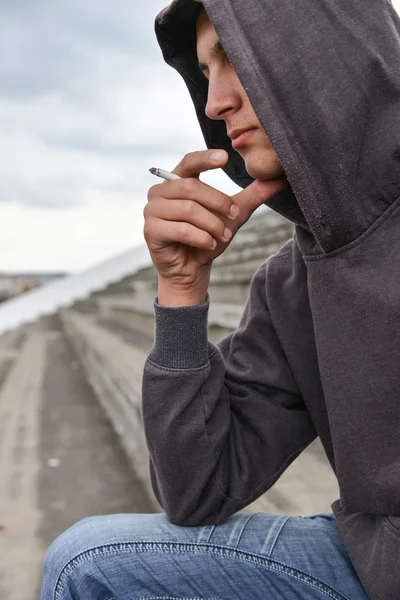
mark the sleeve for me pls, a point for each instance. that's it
(222, 422)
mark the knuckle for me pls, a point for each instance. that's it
(190, 208)
(191, 162)
(150, 228)
(184, 231)
(185, 161)
(146, 231)
(188, 186)
(150, 210)
(152, 192)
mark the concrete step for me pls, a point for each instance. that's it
(10, 345)
(307, 487)
(114, 370)
(60, 460)
(126, 326)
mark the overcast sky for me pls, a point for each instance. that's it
(87, 106)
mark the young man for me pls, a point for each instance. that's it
(303, 100)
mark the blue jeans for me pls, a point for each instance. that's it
(251, 556)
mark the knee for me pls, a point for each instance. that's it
(69, 558)
(64, 551)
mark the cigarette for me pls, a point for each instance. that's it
(164, 174)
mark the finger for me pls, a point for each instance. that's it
(190, 212)
(195, 163)
(192, 189)
(255, 194)
(159, 233)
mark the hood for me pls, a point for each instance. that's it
(323, 77)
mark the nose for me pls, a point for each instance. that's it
(222, 99)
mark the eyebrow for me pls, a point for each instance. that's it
(216, 50)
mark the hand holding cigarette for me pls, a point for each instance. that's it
(189, 223)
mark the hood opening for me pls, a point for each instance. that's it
(324, 80)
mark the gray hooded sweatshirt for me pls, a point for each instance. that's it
(317, 351)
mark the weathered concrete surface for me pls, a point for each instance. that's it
(307, 487)
(94, 475)
(60, 460)
(118, 324)
(10, 345)
(20, 548)
(114, 369)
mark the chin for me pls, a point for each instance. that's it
(263, 173)
(263, 169)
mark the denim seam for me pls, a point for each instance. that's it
(179, 547)
(244, 527)
(277, 536)
(211, 532)
(172, 598)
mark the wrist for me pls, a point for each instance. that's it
(172, 295)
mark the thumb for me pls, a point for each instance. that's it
(256, 194)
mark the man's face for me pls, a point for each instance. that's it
(228, 100)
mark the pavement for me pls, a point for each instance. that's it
(60, 461)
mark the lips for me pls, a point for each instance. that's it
(240, 136)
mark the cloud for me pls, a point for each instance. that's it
(86, 102)
(47, 46)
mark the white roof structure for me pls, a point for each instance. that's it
(63, 292)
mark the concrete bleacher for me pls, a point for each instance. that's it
(71, 432)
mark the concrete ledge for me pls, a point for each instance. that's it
(114, 370)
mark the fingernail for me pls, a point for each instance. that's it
(234, 211)
(227, 234)
(217, 156)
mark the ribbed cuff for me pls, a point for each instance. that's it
(181, 336)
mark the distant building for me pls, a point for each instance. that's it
(12, 284)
